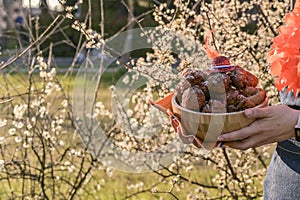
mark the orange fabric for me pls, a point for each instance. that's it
(166, 102)
(284, 56)
(165, 105)
(210, 52)
(297, 5)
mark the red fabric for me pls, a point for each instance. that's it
(284, 56)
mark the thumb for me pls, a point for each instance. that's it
(256, 113)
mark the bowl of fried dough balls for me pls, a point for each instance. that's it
(213, 100)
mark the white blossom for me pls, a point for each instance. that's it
(12, 131)
(19, 111)
(3, 122)
(2, 164)
(18, 139)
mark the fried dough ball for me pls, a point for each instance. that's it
(214, 106)
(242, 78)
(194, 76)
(232, 108)
(191, 77)
(218, 82)
(193, 98)
(232, 96)
(182, 86)
(253, 97)
(205, 90)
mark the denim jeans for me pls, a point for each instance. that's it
(282, 181)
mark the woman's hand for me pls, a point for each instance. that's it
(272, 124)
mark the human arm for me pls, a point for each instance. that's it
(272, 124)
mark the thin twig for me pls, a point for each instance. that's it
(266, 20)
(12, 60)
(5, 101)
